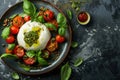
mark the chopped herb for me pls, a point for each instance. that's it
(69, 13)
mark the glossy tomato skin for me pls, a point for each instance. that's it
(29, 61)
(10, 39)
(60, 39)
(27, 18)
(48, 15)
(18, 21)
(19, 51)
(14, 30)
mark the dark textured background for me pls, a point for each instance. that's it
(99, 42)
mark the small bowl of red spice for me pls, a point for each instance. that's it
(83, 17)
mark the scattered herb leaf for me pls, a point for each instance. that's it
(5, 32)
(66, 72)
(74, 44)
(78, 62)
(15, 76)
(8, 55)
(69, 13)
(50, 26)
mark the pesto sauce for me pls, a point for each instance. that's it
(31, 37)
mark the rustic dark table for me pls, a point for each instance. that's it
(99, 42)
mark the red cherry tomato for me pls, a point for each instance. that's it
(10, 39)
(29, 61)
(60, 39)
(14, 30)
(19, 51)
(27, 18)
(83, 17)
(18, 21)
(48, 15)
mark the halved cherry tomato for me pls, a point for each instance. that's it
(48, 15)
(54, 21)
(27, 18)
(8, 51)
(19, 51)
(29, 61)
(18, 21)
(14, 30)
(60, 39)
(10, 39)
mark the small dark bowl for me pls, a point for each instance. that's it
(64, 48)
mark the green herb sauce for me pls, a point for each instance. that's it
(31, 37)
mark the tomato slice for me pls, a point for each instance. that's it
(48, 15)
(18, 21)
(19, 51)
(27, 18)
(8, 51)
(14, 30)
(29, 61)
(10, 39)
(60, 39)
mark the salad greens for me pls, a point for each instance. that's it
(11, 46)
(8, 55)
(74, 44)
(50, 25)
(66, 72)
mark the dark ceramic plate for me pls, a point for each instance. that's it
(64, 48)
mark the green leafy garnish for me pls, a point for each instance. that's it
(7, 55)
(11, 46)
(78, 62)
(61, 31)
(66, 72)
(69, 13)
(15, 76)
(25, 67)
(30, 53)
(50, 26)
(42, 61)
(5, 32)
(74, 44)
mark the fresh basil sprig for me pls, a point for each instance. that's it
(66, 72)
(30, 53)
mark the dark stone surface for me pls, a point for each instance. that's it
(99, 42)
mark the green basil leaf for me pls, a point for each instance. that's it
(5, 32)
(61, 20)
(7, 55)
(25, 67)
(61, 31)
(11, 46)
(66, 72)
(15, 76)
(29, 8)
(42, 61)
(51, 26)
(41, 19)
(78, 62)
(22, 14)
(69, 13)
(30, 54)
(74, 44)
(13, 16)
